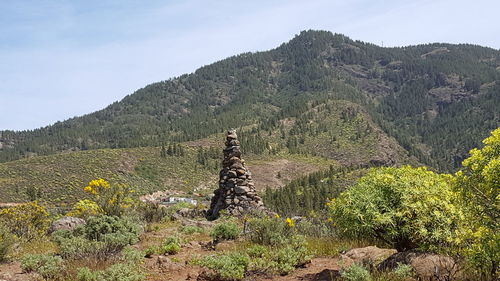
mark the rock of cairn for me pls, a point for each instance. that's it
(236, 193)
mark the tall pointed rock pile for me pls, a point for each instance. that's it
(236, 192)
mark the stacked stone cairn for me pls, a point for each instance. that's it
(236, 193)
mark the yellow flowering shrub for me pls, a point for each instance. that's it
(479, 184)
(29, 220)
(108, 199)
(404, 207)
(85, 208)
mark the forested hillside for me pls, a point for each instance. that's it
(320, 94)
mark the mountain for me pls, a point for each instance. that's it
(319, 94)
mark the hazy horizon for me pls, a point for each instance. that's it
(62, 59)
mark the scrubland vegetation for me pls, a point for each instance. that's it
(405, 208)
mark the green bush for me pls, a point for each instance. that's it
(231, 266)
(403, 271)
(191, 229)
(171, 245)
(48, 266)
(268, 231)
(120, 231)
(150, 251)
(356, 273)
(6, 242)
(27, 221)
(478, 183)
(227, 230)
(116, 272)
(285, 258)
(99, 237)
(76, 247)
(152, 212)
(256, 251)
(132, 256)
(404, 207)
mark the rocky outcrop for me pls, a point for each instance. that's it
(66, 223)
(236, 192)
(370, 255)
(426, 266)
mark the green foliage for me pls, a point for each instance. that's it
(116, 272)
(310, 193)
(152, 212)
(226, 230)
(231, 266)
(131, 256)
(116, 231)
(256, 251)
(112, 199)
(171, 245)
(48, 266)
(286, 258)
(6, 242)
(479, 184)
(356, 273)
(85, 208)
(404, 207)
(253, 89)
(191, 229)
(28, 220)
(268, 231)
(99, 237)
(403, 271)
(150, 251)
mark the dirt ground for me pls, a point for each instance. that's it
(177, 267)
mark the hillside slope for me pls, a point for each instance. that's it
(436, 100)
(60, 178)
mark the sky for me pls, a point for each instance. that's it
(60, 59)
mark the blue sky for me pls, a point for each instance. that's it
(60, 59)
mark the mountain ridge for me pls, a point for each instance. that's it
(414, 93)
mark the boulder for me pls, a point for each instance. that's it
(66, 223)
(370, 255)
(426, 266)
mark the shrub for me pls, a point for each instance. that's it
(171, 245)
(150, 251)
(356, 272)
(478, 184)
(227, 230)
(284, 259)
(114, 199)
(49, 267)
(85, 208)
(191, 229)
(131, 256)
(6, 242)
(268, 231)
(231, 266)
(256, 251)
(116, 232)
(76, 247)
(404, 207)
(152, 212)
(99, 237)
(403, 271)
(116, 272)
(28, 220)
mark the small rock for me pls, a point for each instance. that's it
(65, 223)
